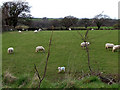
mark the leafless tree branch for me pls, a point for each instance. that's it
(47, 56)
(45, 69)
(81, 36)
(86, 34)
(87, 49)
(37, 74)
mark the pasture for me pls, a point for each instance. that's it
(65, 51)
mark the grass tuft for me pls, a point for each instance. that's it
(91, 79)
(8, 78)
(22, 81)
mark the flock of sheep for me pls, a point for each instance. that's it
(38, 48)
(107, 45)
(34, 31)
(111, 45)
(83, 44)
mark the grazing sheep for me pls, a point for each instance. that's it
(70, 29)
(83, 44)
(109, 45)
(19, 31)
(39, 29)
(115, 47)
(10, 50)
(40, 48)
(92, 29)
(60, 69)
(35, 31)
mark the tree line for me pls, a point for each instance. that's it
(17, 14)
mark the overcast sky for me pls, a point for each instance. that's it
(77, 8)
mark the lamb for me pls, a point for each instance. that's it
(115, 47)
(109, 45)
(19, 31)
(39, 29)
(60, 69)
(11, 29)
(35, 31)
(10, 50)
(69, 29)
(40, 48)
(83, 44)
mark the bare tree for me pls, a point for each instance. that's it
(69, 21)
(55, 23)
(108, 80)
(86, 22)
(25, 19)
(45, 69)
(85, 38)
(99, 19)
(12, 10)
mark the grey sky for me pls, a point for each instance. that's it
(77, 8)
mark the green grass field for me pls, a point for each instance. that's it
(65, 51)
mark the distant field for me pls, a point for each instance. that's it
(65, 51)
(94, 27)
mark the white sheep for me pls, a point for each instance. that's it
(19, 31)
(35, 31)
(70, 29)
(92, 29)
(10, 50)
(60, 69)
(115, 47)
(40, 48)
(109, 45)
(39, 29)
(83, 44)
